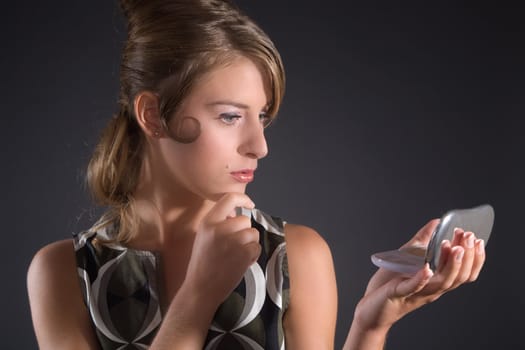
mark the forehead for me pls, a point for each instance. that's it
(239, 80)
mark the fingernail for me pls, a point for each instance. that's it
(459, 236)
(459, 257)
(480, 246)
(470, 240)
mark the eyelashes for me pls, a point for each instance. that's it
(265, 119)
(234, 118)
(230, 118)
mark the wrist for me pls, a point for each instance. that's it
(370, 317)
(365, 333)
(186, 322)
(196, 300)
(361, 337)
(364, 329)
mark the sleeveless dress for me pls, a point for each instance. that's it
(120, 287)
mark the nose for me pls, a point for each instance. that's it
(253, 144)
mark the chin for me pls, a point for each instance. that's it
(216, 195)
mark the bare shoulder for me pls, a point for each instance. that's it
(53, 253)
(52, 263)
(60, 318)
(52, 277)
(309, 321)
(309, 257)
(307, 240)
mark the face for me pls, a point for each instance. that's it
(230, 104)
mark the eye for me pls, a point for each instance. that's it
(230, 118)
(265, 119)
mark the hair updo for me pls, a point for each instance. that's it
(170, 45)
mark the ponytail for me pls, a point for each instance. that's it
(113, 172)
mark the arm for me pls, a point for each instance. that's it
(60, 318)
(223, 249)
(389, 296)
(309, 322)
(186, 322)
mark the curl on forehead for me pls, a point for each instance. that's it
(173, 44)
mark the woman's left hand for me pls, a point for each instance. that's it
(389, 295)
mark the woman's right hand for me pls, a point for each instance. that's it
(225, 246)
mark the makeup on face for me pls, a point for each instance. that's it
(231, 111)
(184, 129)
(244, 175)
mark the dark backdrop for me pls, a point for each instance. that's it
(394, 114)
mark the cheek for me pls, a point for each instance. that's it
(185, 129)
(203, 155)
(215, 148)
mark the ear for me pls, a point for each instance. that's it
(146, 108)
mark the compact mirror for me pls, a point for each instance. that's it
(409, 260)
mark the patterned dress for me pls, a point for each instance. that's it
(121, 290)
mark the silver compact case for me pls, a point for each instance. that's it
(409, 260)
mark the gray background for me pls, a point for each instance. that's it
(394, 114)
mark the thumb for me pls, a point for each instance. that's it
(423, 236)
(412, 285)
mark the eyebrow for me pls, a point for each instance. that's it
(232, 103)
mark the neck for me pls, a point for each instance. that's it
(167, 211)
(167, 217)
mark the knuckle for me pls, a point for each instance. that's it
(246, 221)
(473, 277)
(462, 278)
(453, 283)
(255, 233)
(251, 235)
(434, 297)
(445, 286)
(429, 299)
(480, 258)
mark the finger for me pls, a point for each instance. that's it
(446, 277)
(413, 285)
(479, 259)
(458, 236)
(251, 252)
(467, 242)
(246, 237)
(226, 205)
(232, 225)
(423, 236)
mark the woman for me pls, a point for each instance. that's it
(182, 259)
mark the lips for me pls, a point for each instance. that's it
(243, 176)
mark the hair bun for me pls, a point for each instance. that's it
(129, 6)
